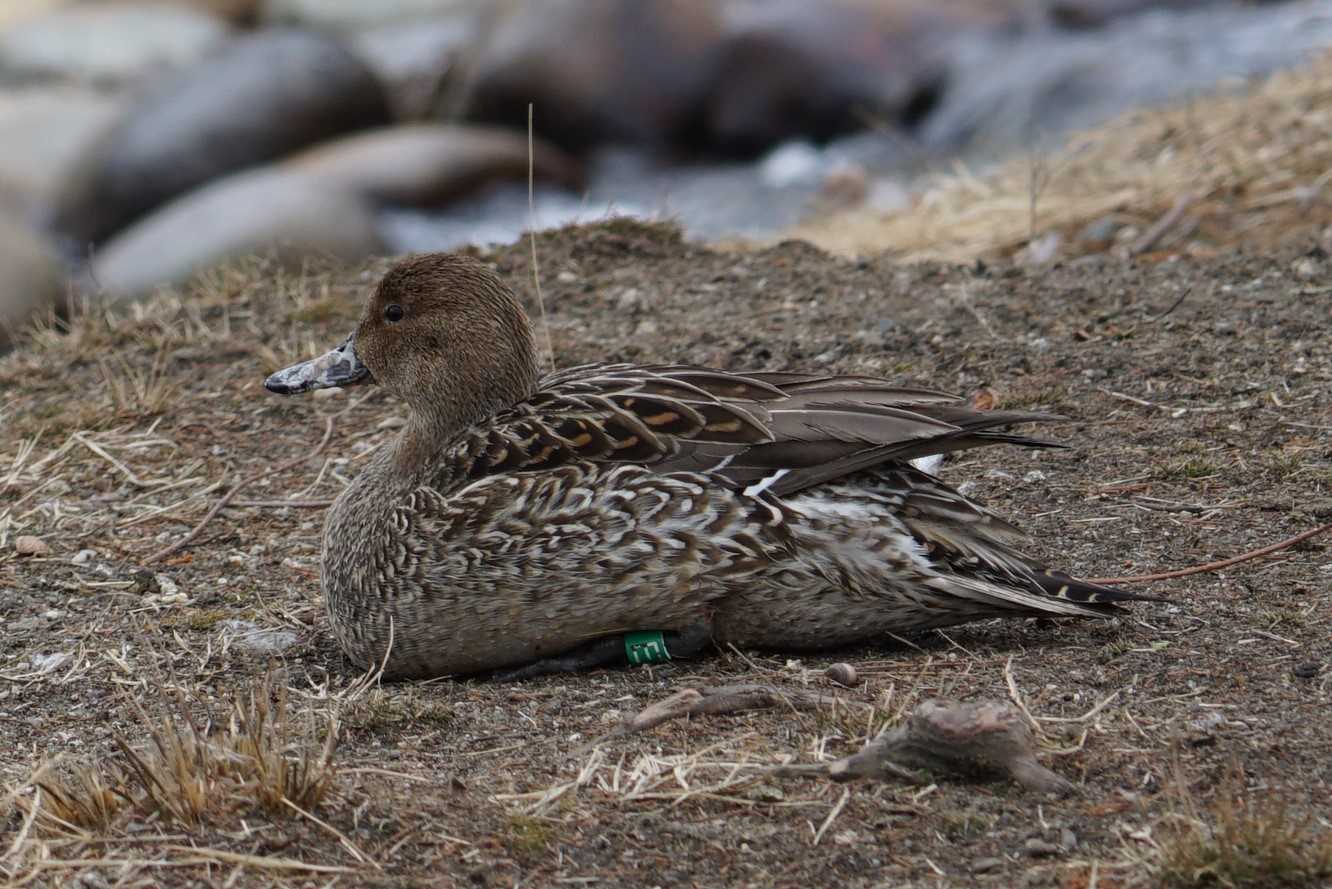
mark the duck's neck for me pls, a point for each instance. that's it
(416, 449)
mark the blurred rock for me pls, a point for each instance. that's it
(262, 97)
(241, 12)
(790, 68)
(1014, 91)
(268, 211)
(115, 43)
(43, 131)
(1096, 13)
(630, 71)
(430, 164)
(413, 60)
(18, 12)
(356, 15)
(31, 278)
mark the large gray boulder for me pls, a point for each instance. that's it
(267, 211)
(262, 97)
(44, 131)
(32, 282)
(108, 43)
(424, 165)
(631, 71)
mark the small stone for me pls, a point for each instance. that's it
(45, 663)
(1099, 231)
(1039, 848)
(629, 300)
(334, 392)
(985, 865)
(1307, 671)
(1307, 268)
(1068, 839)
(1042, 250)
(166, 586)
(1034, 476)
(842, 674)
(145, 583)
(252, 638)
(83, 556)
(567, 277)
(27, 545)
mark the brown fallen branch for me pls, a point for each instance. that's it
(238, 487)
(726, 699)
(1159, 229)
(971, 740)
(1217, 566)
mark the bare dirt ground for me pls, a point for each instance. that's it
(1196, 731)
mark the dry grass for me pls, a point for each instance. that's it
(1241, 841)
(1251, 168)
(185, 778)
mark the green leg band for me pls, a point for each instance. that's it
(646, 648)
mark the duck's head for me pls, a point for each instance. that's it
(442, 333)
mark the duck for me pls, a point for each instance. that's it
(520, 517)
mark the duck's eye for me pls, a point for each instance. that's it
(393, 314)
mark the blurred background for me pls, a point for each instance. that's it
(140, 142)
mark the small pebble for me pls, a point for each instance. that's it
(265, 641)
(328, 393)
(985, 865)
(27, 545)
(1308, 671)
(1039, 848)
(83, 556)
(842, 674)
(1068, 839)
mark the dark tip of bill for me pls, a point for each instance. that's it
(274, 384)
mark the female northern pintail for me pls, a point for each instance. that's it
(519, 517)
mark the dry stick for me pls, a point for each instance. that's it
(1162, 226)
(531, 240)
(248, 480)
(1217, 566)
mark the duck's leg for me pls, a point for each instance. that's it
(615, 651)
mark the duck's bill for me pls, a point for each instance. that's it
(341, 367)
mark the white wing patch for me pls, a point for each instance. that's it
(765, 483)
(929, 465)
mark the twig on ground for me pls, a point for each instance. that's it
(725, 699)
(966, 739)
(1217, 566)
(1162, 226)
(239, 486)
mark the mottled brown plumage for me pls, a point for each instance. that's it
(518, 516)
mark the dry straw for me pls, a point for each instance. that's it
(1242, 168)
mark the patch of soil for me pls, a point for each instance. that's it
(1197, 398)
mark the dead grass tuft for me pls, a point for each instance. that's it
(1196, 177)
(87, 800)
(138, 392)
(186, 777)
(1240, 842)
